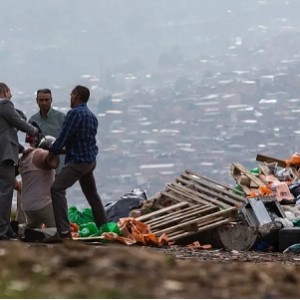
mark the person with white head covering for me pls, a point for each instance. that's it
(37, 177)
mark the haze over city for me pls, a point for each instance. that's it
(175, 84)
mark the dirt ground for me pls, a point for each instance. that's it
(80, 270)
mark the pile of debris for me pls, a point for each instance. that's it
(259, 213)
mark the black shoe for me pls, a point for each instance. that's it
(6, 238)
(14, 226)
(58, 238)
(66, 235)
(12, 235)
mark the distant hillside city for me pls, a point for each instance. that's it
(176, 85)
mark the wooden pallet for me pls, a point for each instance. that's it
(169, 209)
(183, 220)
(200, 204)
(168, 217)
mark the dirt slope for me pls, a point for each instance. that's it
(78, 270)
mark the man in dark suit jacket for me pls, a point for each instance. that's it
(10, 120)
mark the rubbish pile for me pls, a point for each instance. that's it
(262, 212)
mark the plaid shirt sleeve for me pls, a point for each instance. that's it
(68, 130)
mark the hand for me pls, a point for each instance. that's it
(28, 150)
(49, 158)
(36, 131)
(50, 162)
(37, 127)
(18, 185)
(35, 124)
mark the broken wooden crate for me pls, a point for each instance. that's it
(248, 181)
(198, 204)
(280, 163)
(252, 184)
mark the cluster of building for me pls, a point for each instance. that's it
(202, 114)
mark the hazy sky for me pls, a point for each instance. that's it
(55, 42)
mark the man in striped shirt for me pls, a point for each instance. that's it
(78, 137)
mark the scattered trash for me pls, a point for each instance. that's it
(260, 213)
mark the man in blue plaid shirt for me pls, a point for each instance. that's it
(78, 137)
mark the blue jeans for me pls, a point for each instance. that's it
(69, 174)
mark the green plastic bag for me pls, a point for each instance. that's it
(110, 227)
(255, 171)
(80, 217)
(88, 229)
(238, 190)
(296, 222)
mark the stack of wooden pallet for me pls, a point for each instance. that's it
(199, 204)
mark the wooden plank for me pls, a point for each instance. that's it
(200, 229)
(245, 188)
(225, 212)
(195, 195)
(181, 218)
(209, 195)
(214, 191)
(166, 193)
(202, 224)
(269, 159)
(174, 214)
(264, 169)
(170, 195)
(179, 199)
(206, 181)
(295, 172)
(244, 171)
(205, 225)
(186, 193)
(162, 210)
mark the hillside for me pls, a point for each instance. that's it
(77, 270)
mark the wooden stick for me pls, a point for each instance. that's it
(232, 196)
(269, 159)
(180, 218)
(183, 211)
(162, 210)
(207, 227)
(201, 219)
